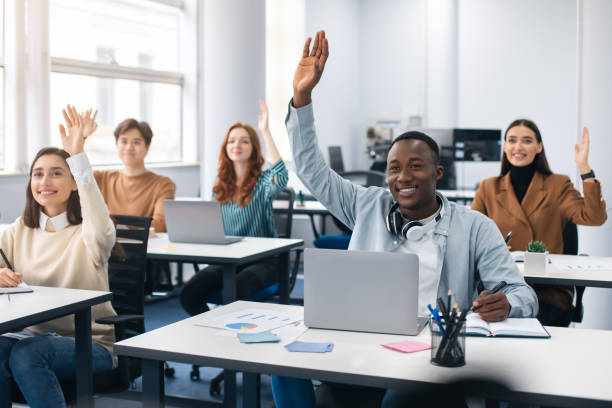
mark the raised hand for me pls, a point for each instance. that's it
(89, 122)
(73, 139)
(582, 152)
(309, 69)
(262, 120)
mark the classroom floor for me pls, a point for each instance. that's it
(163, 312)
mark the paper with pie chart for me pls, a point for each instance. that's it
(251, 320)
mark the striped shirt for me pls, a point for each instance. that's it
(256, 219)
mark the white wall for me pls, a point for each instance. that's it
(336, 98)
(518, 59)
(234, 74)
(596, 99)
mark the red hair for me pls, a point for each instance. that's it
(225, 188)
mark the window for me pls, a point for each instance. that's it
(1, 84)
(284, 36)
(121, 57)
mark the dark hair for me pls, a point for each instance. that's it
(31, 212)
(539, 159)
(129, 124)
(413, 134)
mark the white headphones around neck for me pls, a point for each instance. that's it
(409, 230)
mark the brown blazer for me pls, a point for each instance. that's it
(549, 203)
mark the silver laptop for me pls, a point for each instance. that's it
(195, 222)
(362, 291)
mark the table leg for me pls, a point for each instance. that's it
(179, 274)
(323, 219)
(152, 383)
(229, 389)
(82, 336)
(251, 396)
(313, 226)
(229, 284)
(284, 278)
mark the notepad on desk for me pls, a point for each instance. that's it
(511, 327)
(21, 288)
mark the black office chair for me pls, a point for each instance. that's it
(570, 247)
(126, 270)
(335, 158)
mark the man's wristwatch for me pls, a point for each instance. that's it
(590, 174)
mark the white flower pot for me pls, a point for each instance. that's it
(535, 262)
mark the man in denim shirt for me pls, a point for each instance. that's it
(458, 248)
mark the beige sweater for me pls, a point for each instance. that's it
(141, 195)
(74, 257)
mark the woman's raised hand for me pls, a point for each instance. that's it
(73, 139)
(309, 69)
(89, 122)
(582, 152)
(262, 120)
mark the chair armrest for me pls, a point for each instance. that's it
(120, 319)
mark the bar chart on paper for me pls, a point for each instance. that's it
(250, 320)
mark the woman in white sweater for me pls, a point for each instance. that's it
(63, 239)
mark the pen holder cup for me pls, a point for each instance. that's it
(447, 350)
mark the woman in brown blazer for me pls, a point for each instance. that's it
(532, 202)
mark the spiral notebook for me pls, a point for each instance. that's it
(21, 288)
(511, 327)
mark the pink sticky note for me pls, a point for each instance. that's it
(407, 346)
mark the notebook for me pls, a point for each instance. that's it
(374, 292)
(21, 288)
(195, 222)
(511, 327)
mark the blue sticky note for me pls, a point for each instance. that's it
(265, 337)
(309, 347)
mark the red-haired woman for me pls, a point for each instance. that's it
(245, 192)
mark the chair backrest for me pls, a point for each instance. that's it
(335, 159)
(366, 178)
(283, 218)
(570, 247)
(127, 268)
(570, 239)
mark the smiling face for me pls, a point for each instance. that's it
(52, 183)
(412, 174)
(239, 147)
(132, 148)
(521, 146)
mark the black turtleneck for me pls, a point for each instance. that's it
(521, 178)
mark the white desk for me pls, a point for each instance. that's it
(247, 250)
(553, 275)
(44, 304)
(459, 195)
(570, 369)
(230, 256)
(308, 207)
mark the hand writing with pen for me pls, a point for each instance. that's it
(8, 278)
(493, 306)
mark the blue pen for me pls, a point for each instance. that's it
(436, 316)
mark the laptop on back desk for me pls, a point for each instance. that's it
(195, 222)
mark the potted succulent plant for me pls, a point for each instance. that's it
(535, 257)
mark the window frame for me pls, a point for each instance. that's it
(31, 88)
